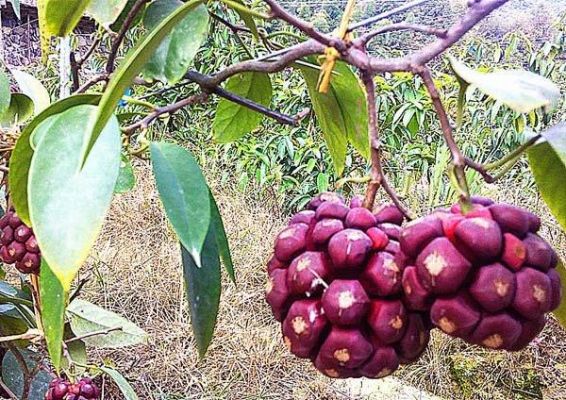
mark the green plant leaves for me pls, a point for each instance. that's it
(4, 93)
(33, 88)
(61, 16)
(560, 312)
(54, 300)
(126, 178)
(126, 389)
(175, 54)
(548, 163)
(20, 110)
(67, 205)
(522, 91)
(232, 120)
(87, 318)
(221, 238)
(248, 19)
(184, 193)
(105, 12)
(203, 291)
(131, 66)
(23, 152)
(13, 376)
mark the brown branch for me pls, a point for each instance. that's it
(364, 39)
(377, 176)
(487, 177)
(130, 18)
(386, 14)
(75, 68)
(91, 82)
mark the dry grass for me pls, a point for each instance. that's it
(138, 274)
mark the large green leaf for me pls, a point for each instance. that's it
(87, 318)
(13, 376)
(522, 91)
(131, 66)
(105, 12)
(33, 88)
(126, 389)
(126, 178)
(221, 239)
(20, 110)
(22, 154)
(203, 291)
(4, 92)
(232, 120)
(560, 312)
(184, 193)
(548, 163)
(175, 54)
(67, 204)
(53, 302)
(61, 16)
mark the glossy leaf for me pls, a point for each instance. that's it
(61, 16)
(87, 318)
(53, 303)
(522, 91)
(126, 178)
(13, 376)
(548, 163)
(184, 193)
(560, 312)
(33, 88)
(124, 386)
(221, 238)
(203, 291)
(131, 66)
(175, 54)
(67, 204)
(4, 92)
(21, 109)
(22, 154)
(105, 12)
(248, 19)
(232, 120)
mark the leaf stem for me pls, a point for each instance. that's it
(96, 333)
(514, 154)
(245, 10)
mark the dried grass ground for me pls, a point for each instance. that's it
(136, 272)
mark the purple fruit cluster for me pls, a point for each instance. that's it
(18, 244)
(335, 284)
(485, 276)
(61, 389)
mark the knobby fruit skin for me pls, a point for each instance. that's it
(18, 244)
(335, 286)
(61, 389)
(484, 276)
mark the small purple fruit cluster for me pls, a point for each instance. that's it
(18, 244)
(335, 284)
(485, 276)
(84, 389)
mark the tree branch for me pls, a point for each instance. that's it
(91, 82)
(364, 39)
(110, 65)
(96, 333)
(386, 14)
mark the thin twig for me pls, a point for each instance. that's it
(130, 18)
(29, 335)
(386, 14)
(92, 81)
(430, 30)
(77, 291)
(92, 334)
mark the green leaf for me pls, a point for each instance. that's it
(87, 318)
(248, 19)
(61, 16)
(126, 389)
(548, 163)
(126, 178)
(232, 120)
(10, 294)
(522, 91)
(184, 193)
(33, 88)
(322, 182)
(13, 376)
(16, 8)
(12, 322)
(105, 12)
(53, 302)
(130, 67)
(4, 93)
(20, 160)
(67, 204)
(203, 291)
(560, 312)
(76, 349)
(175, 54)
(20, 110)
(221, 238)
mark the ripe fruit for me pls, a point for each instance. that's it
(335, 285)
(61, 389)
(485, 276)
(18, 244)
